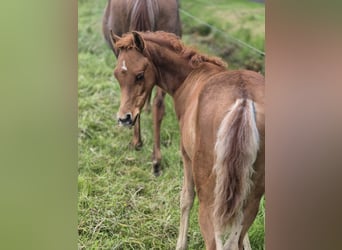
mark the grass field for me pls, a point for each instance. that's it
(121, 204)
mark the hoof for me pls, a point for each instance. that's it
(156, 168)
(137, 146)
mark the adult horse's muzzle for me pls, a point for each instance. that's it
(127, 120)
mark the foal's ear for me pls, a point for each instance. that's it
(138, 41)
(114, 38)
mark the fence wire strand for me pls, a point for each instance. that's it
(238, 41)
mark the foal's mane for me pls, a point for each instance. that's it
(171, 42)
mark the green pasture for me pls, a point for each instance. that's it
(121, 205)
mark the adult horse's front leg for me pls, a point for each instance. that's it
(158, 113)
(186, 202)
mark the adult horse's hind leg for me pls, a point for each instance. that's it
(158, 113)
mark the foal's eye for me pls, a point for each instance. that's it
(140, 76)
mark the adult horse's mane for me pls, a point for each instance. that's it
(143, 15)
(171, 42)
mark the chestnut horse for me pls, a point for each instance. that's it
(222, 125)
(122, 16)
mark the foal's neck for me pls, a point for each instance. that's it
(172, 70)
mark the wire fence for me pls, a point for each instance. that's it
(233, 39)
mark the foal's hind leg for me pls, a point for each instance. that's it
(186, 202)
(250, 212)
(158, 113)
(238, 238)
(205, 213)
(253, 201)
(206, 225)
(246, 243)
(233, 240)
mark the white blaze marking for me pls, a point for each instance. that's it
(123, 67)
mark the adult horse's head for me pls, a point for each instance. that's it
(135, 74)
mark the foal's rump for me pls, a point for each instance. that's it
(227, 109)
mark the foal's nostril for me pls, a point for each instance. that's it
(127, 120)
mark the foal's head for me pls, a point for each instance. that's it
(135, 74)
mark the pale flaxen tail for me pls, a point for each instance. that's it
(236, 150)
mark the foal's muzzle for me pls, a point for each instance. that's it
(128, 120)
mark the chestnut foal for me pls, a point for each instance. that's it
(222, 125)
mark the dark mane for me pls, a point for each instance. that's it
(172, 42)
(143, 15)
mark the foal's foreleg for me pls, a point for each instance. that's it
(186, 202)
(147, 107)
(136, 141)
(158, 113)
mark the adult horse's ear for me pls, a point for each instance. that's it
(138, 41)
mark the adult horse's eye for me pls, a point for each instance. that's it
(139, 77)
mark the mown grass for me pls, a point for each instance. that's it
(121, 204)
